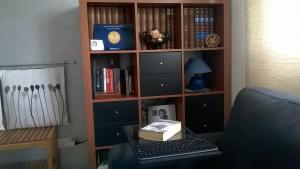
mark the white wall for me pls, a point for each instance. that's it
(47, 31)
(238, 31)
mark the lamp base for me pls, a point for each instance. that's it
(197, 82)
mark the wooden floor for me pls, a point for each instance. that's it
(42, 164)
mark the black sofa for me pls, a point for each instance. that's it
(263, 131)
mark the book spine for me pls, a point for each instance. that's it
(172, 28)
(162, 16)
(127, 82)
(197, 28)
(118, 80)
(115, 15)
(127, 15)
(206, 23)
(202, 33)
(115, 88)
(104, 80)
(107, 80)
(186, 27)
(143, 27)
(156, 19)
(101, 80)
(168, 28)
(91, 21)
(121, 15)
(191, 28)
(131, 80)
(149, 19)
(98, 81)
(123, 82)
(111, 80)
(97, 15)
(108, 15)
(211, 20)
(94, 78)
(102, 15)
(138, 25)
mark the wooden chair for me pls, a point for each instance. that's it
(31, 138)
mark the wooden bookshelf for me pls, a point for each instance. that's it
(144, 16)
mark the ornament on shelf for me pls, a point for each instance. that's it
(212, 40)
(155, 38)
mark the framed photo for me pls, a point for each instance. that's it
(161, 112)
(97, 44)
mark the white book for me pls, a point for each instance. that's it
(161, 130)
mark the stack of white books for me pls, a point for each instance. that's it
(161, 130)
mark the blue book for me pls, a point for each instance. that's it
(114, 36)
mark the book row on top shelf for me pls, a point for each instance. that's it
(116, 76)
(155, 26)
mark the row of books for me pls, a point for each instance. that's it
(161, 19)
(112, 80)
(108, 15)
(198, 23)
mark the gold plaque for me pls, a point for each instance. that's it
(114, 37)
(212, 40)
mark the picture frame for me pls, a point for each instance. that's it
(97, 44)
(161, 112)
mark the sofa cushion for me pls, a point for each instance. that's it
(263, 131)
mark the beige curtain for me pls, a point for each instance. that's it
(273, 44)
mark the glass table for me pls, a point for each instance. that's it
(131, 132)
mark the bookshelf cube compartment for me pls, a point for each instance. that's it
(102, 158)
(111, 13)
(164, 18)
(160, 73)
(114, 76)
(199, 21)
(214, 80)
(205, 113)
(107, 135)
(162, 103)
(124, 112)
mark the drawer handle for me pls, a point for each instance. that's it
(160, 63)
(161, 85)
(116, 112)
(117, 133)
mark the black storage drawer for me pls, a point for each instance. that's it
(160, 63)
(205, 113)
(163, 84)
(116, 112)
(106, 135)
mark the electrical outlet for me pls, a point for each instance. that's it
(66, 142)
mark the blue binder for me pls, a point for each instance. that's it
(114, 36)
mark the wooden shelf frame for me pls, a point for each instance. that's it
(224, 51)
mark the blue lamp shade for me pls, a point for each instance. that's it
(196, 67)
